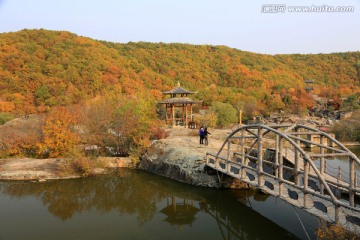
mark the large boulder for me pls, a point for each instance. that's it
(184, 164)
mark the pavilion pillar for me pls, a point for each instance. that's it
(191, 112)
(173, 114)
(183, 114)
(186, 116)
(166, 114)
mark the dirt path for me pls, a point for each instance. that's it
(188, 138)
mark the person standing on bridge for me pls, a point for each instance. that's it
(201, 135)
(206, 136)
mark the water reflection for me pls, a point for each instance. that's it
(180, 213)
(141, 206)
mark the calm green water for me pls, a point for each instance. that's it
(132, 204)
(333, 164)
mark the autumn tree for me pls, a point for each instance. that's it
(119, 125)
(21, 136)
(96, 117)
(58, 134)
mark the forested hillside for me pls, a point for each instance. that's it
(40, 69)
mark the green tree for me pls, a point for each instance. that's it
(42, 94)
(226, 113)
(351, 103)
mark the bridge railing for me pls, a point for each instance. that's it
(301, 182)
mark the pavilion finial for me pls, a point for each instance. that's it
(178, 84)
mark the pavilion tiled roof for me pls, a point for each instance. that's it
(178, 90)
(182, 100)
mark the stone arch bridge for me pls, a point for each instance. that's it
(277, 160)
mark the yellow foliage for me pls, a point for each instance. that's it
(58, 137)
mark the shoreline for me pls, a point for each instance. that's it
(178, 157)
(32, 169)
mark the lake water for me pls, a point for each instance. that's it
(132, 204)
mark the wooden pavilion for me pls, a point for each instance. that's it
(179, 100)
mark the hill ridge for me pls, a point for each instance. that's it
(41, 69)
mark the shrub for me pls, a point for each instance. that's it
(349, 129)
(5, 117)
(209, 119)
(20, 138)
(82, 166)
(158, 133)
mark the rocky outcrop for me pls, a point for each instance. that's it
(183, 163)
(54, 168)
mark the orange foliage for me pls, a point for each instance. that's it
(6, 106)
(58, 68)
(157, 94)
(59, 137)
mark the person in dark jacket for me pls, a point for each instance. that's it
(206, 136)
(201, 135)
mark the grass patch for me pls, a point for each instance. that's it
(82, 166)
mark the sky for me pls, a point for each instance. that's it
(253, 26)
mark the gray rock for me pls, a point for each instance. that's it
(183, 164)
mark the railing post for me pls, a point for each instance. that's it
(351, 180)
(297, 160)
(306, 181)
(280, 166)
(260, 158)
(338, 194)
(337, 207)
(242, 142)
(228, 150)
(216, 163)
(339, 174)
(228, 166)
(337, 213)
(322, 164)
(277, 156)
(355, 180)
